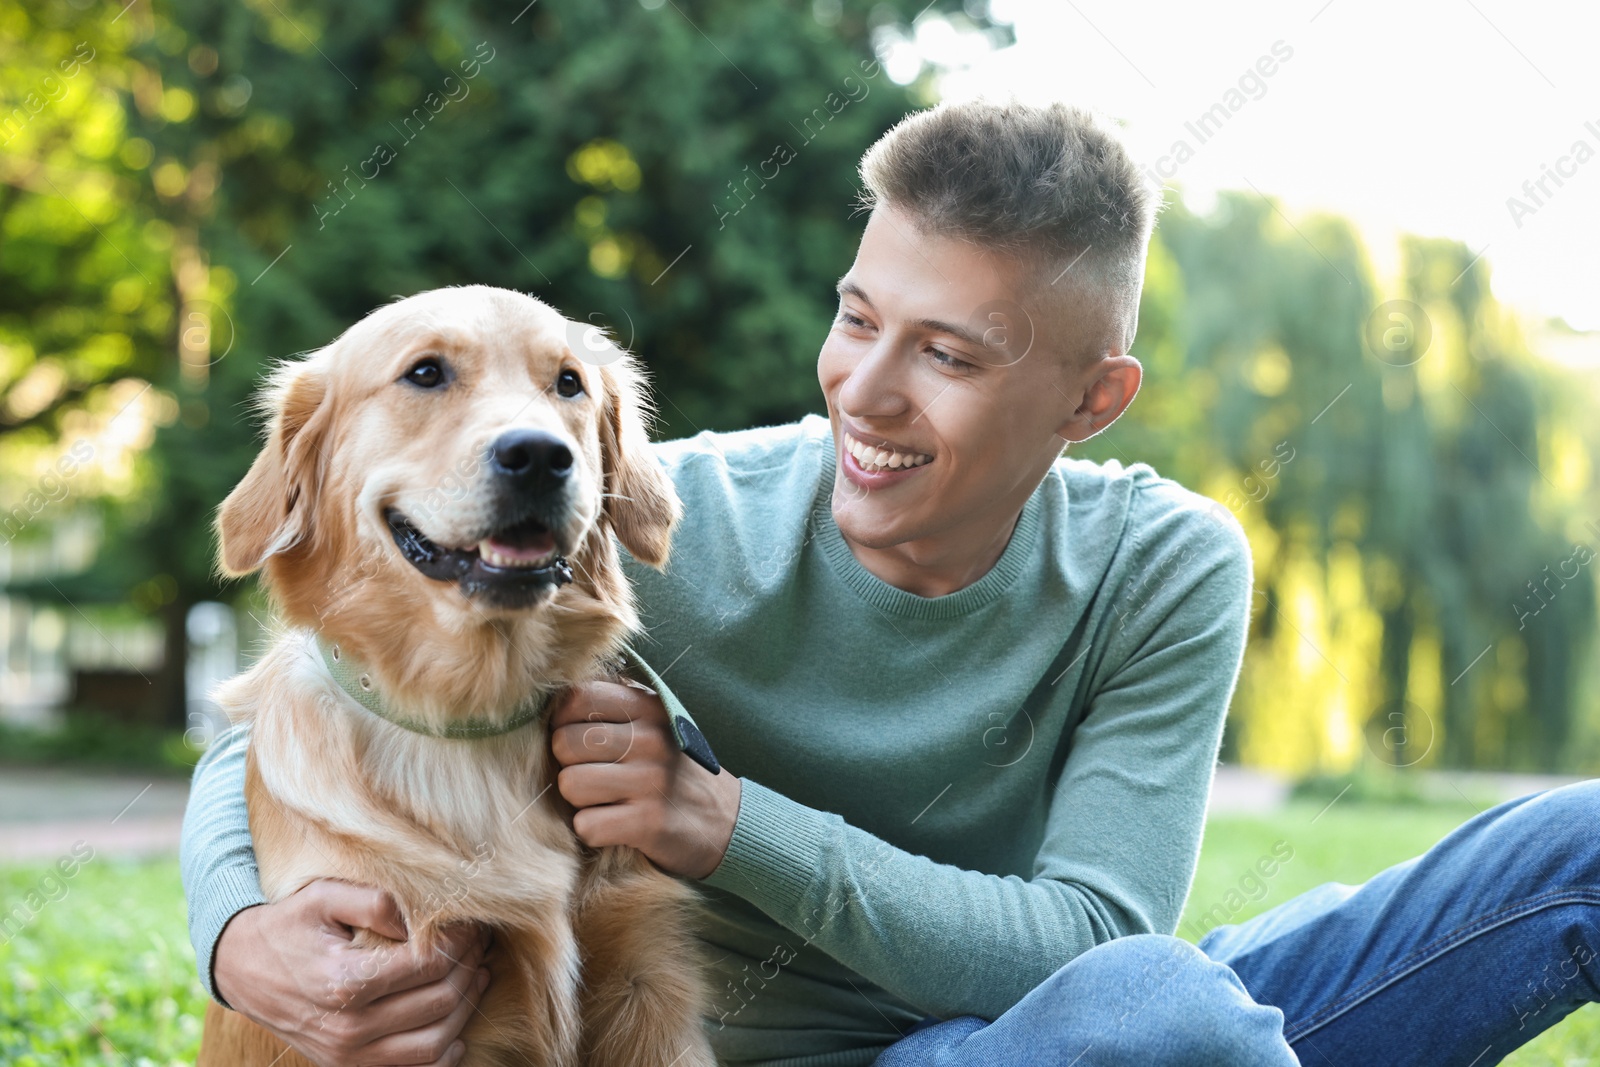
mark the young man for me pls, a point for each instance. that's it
(968, 695)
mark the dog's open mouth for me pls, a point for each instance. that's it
(513, 563)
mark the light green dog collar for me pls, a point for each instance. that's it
(357, 683)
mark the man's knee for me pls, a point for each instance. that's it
(1142, 981)
(1576, 805)
(1530, 843)
(1128, 969)
(1153, 999)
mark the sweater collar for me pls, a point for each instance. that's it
(1018, 557)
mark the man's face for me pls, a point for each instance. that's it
(932, 356)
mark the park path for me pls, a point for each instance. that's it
(45, 812)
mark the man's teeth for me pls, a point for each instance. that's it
(487, 552)
(877, 459)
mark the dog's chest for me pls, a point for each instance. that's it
(445, 823)
(458, 787)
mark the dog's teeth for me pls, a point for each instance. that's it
(487, 553)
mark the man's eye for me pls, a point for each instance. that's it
(945, 359)
(568, 383)
(427, 373)
(851, 320)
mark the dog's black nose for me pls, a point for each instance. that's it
(534, 459)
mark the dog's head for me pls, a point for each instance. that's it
(450, 460)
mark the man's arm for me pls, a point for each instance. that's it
(1120, 843)
(216, 856)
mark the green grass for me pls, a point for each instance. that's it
(104, 975)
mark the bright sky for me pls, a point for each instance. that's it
(1422, 116)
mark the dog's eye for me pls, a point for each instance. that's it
(568, 383)
(427, 373)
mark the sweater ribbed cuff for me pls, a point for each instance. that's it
(775, 851)
(228, 892)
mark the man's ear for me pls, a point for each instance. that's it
(270, 511)
(1114, 382)
(640, 501)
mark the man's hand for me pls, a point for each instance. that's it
(623, 771)
(291, 968)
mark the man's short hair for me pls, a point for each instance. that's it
(1053, 186)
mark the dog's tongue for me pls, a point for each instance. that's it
(531, 547)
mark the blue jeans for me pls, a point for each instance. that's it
(1452, 959)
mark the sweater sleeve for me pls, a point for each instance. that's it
(217, 858)
(954, 942)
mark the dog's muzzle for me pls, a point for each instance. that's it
(500, 581)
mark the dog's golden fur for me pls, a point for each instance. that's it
(594, 962)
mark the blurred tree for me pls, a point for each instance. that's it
(1495, 571)
(89, 273)
(84, 262)
(1384, 459)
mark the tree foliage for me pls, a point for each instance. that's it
(1419, 592)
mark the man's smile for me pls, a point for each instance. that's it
(878, 468)
(873, 458)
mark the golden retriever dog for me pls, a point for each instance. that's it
(434, 512)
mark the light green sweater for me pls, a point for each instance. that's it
(945, 799)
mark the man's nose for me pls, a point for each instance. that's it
(874, 385)
(533, 461)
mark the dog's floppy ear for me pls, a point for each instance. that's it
(641, 501)
(270, 511)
